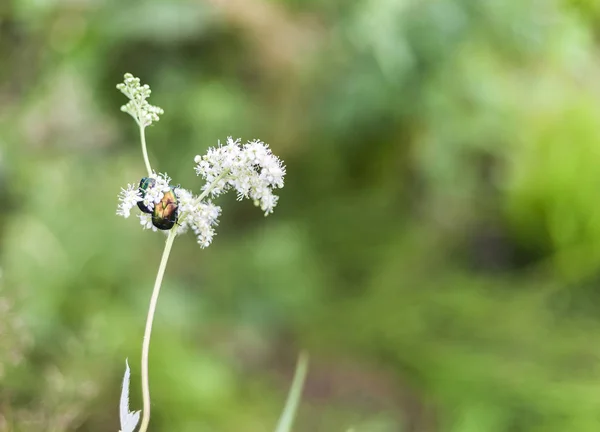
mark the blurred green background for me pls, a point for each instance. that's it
(436, 248)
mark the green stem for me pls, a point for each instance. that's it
(144, 150)
(293, 399)
(148, 331)
(212, 186)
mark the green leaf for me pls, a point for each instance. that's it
(293, 399)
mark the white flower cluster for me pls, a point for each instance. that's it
(138, 107)
(130, 197)
(201, 217)
(251, 169)
(156, 190)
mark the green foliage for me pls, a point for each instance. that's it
(436, 248)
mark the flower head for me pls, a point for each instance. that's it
(133, 195)
(201, 217)
(138, 107)
(251, 169)
(128, 199)
(155, 193)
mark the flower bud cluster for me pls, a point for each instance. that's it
(138, 107)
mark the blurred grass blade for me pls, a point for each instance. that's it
(293, 399)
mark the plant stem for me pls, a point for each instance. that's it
(144, 150)
(293, 399)
(212, 186)
(148, 331)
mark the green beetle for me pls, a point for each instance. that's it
(145, 183)
(165, 213)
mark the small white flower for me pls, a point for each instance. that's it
(128, 199)
(146, 221)
(268, 202)
(138, 107)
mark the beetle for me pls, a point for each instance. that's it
(165, 213)
(145, 183)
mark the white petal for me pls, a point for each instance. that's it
(129, 420)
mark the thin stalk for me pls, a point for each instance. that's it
(144, 150)
(212, 186)
(148, 331)
(293, 400)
